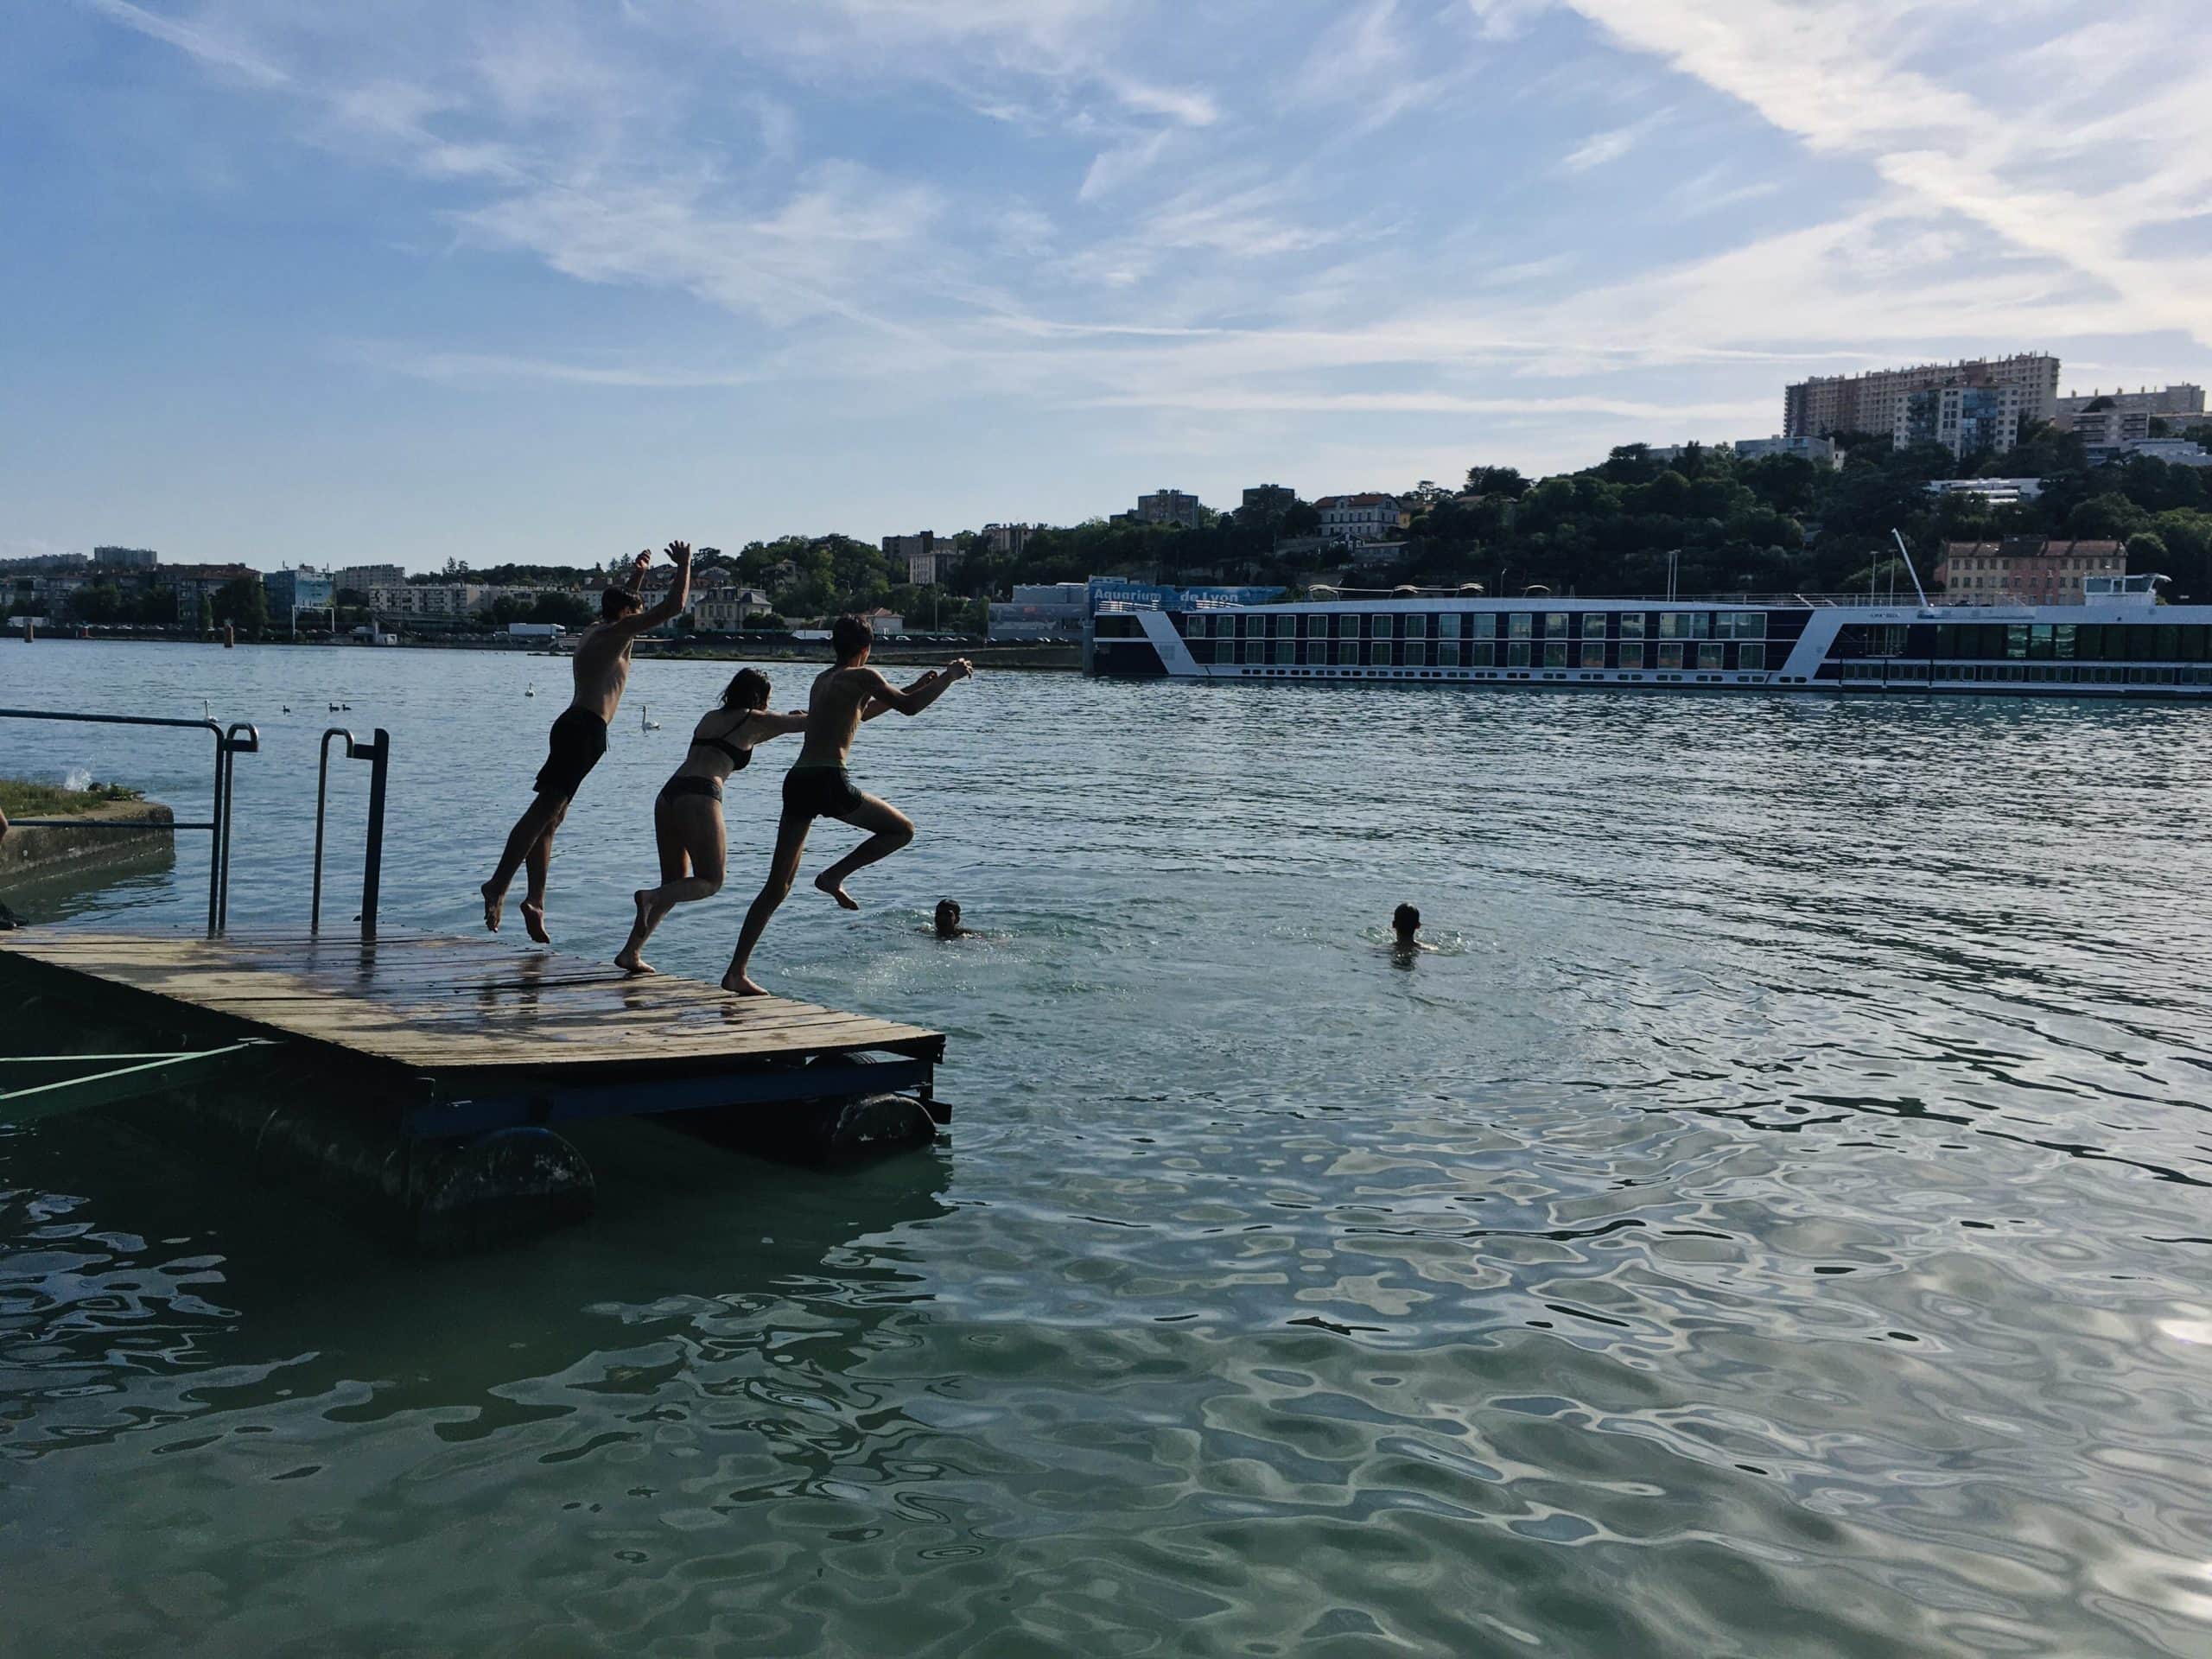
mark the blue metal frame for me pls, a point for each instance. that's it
(447, 1117)
(378, 752)
(229, 744)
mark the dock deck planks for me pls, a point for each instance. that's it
(457, 1007)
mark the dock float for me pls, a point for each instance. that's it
(435, 1068)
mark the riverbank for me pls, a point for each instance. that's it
(41, 849)
(736, 648)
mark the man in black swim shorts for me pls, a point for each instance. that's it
(819, 787)
(601, 670)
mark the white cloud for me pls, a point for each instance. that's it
(210, 48)
(1601, 148)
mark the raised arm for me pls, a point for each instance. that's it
(916, 696)
(671, 604)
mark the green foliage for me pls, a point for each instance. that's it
(21, 799)
(244, 603)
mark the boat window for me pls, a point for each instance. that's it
(1555, 625)
(1516, 653)
(1379, 654)
(1224, 651)
(1416, 654)
(1285, 626)
(1555, 651)
(1448, 653)
(1520, 625)
(1712, 656)
(1752, 657)
(2039, 639)
(1194, 627)
(1416, 627)
(1348, 652)
(1255, 650)
(1632, 625)
(1670, 655)
(1593, 651)
(1286, 651)
(1483, 625)
(1593, 626)
(1740, 625)
(1632, 652)
(1673, 625)
(2167, 643)
(1481, 653)
(2016, 639)
(2062, 640)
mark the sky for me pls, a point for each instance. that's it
(545, 280)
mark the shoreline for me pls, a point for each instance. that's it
(1040, 659)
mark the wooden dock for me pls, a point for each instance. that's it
(465, 1036)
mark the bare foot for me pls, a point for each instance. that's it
(533, 921)
(742, 984)
(837, 890)
(493, 900)
(631, 962)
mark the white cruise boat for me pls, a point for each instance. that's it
(2121, 641)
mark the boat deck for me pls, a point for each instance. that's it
(478, 1032)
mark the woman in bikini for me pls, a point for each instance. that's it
(687, 812)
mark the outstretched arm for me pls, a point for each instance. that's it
(918, 695)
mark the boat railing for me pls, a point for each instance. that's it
(231, 741)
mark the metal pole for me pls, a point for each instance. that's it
(215, 839)
(372, 867)
(321, 795)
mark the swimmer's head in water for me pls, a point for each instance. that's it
(617, 602)
(747, 689)
(1405, 921)
(852, 637)
(948, 915)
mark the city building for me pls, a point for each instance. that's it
(725, 610)
(192, 582)
(2023, 571)
(359, 578)
(125, 558)
(1821, 451)
(2180, 404)
(1369, 517)
(1827, 404)
(1049, 610)
(1965, 420)
(301, 589)
(1994, 492)
(884, 623)
(1007, 539)
(925, 553)
(2175, 452)
(46, 564)
(1266, 498)
(2103, 428)
(1169, 507)
(442, 601)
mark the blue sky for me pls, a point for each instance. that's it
(295, 281)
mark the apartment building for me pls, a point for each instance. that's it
(1169, 507)
(363, 577)
(2023, 571)
(925, 553)
(2179, 405)
(1821, 451)
(1965, 420)
(1870, 402)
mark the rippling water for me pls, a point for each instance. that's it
(1776, 1223)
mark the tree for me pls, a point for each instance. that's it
(244, 603)
(2147, 552)
(1498, 480)
(206, 614)
(2108, 517)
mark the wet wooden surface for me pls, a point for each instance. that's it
(441, 1003)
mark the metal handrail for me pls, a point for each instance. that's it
(378, 752)
(228, 745)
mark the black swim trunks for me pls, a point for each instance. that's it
(675, 788)
(578, 740)
(820, 792)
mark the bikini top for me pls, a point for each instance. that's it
(739, 758)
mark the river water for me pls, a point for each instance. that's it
(1774, 1223)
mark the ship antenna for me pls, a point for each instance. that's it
(1910, 568)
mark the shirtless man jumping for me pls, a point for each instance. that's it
(817, 786)
(602, 669)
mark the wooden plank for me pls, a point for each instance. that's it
(474, 1006)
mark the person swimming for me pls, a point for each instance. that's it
(1404, 923)
(688, 824)
(946, 923)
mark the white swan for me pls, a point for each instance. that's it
(651, 725)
